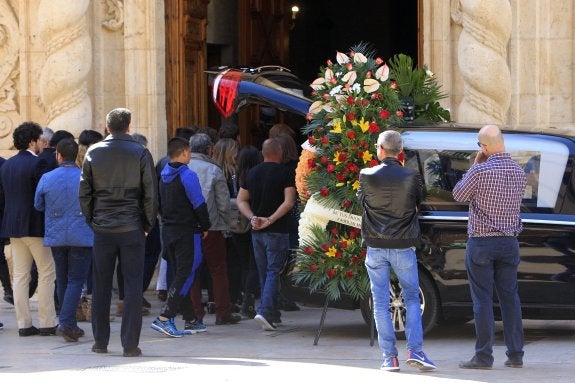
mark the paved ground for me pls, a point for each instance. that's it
(245, 353)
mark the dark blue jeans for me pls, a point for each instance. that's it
(108, 247)
(270, 252)
(72, 267)
(492, 262)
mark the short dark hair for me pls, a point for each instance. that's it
(68, 149)
(89, 137)
(25, 133)
(186, 132)
(140, 139)
(229, 131)
(176, 146)
(118, 120)
(58, 136)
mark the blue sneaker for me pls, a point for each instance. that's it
(167, 327)
(390, 363)
(419, 360)
(194, 327)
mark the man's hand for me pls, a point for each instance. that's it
(259, 223)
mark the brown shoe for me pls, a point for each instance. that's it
(69, 334)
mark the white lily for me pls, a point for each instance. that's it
(342, 58)
(315, 107)
(341, 99)
(317, 84)
(350, 77)
(359, 58)
(370, 85)
(382, 73)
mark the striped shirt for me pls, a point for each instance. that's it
(494, 190)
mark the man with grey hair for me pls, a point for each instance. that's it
(119, 198)
(390, 195)
(217, 197)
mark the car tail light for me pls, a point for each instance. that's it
(225, 91)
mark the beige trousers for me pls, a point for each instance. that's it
(24, 251)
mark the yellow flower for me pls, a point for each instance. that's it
(331, 252)
(339, 184)
(367, 157)
(355, 185)
(336, 158)
(364, 125)
(336, 126)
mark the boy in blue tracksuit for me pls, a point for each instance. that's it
(184, 217)
(66, 233)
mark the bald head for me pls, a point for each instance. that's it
(491, 139)
(272, 150)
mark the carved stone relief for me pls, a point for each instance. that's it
(114, 18)
(9, 68)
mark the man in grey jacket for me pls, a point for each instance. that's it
(217, 196)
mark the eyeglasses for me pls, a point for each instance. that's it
(480, 144)
(376, 146)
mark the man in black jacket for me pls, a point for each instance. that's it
(390, 195)
(118, 196)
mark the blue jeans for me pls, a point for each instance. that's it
(72, 267)
(270, 252)
(379, 263)
(493, 261)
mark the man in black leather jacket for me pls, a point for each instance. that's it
(390, 195)
(118, 196)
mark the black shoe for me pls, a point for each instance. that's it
(69, 334)
(48, 331)
(133, 352)
(29, 331)
(514, 362)
(229, 319)
(79, 332)
(99, 349)
(146, 304)
(286, 304)
(1, 325)
(162, 295)
(475, 364)
(9, 298)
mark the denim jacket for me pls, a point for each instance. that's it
(57, 196)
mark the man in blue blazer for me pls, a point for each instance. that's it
(24, 225)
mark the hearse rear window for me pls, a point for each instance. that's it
(443, 157)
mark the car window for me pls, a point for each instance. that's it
(443, 157)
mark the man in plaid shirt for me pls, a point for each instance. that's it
(494, 187)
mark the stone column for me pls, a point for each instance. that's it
(9, 73)
(144, 50)
(482, 58)
(63, 26)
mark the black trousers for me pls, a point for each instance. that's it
(180, 252)
(108, 247)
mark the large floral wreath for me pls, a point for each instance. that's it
(354, 100)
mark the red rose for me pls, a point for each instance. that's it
(363, 252)
(351, 135)
(311, 163)
(384, 114)
(308, 117)
(309, 250)
(342, 157)
(343, 244)
(374, 96)
(324, 140)
(323, 160)
(338, 253)
(373, 163)
(330, 273)
(399, 113)
(352, 234)
(393, 85)
(333, 80)
(311, 140)
(347, 203)
(368, 74)
(330, 167)
(354, 259)
(334, 231)
(373, 128)
(349, 274)
(379, 61)
(350, 100)
(324, 191)
(333, 241)
(325, 247)
(312, 267)
(329, 63)
(340, 177)
(349, 66)
(325, 96)
(350, 116)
